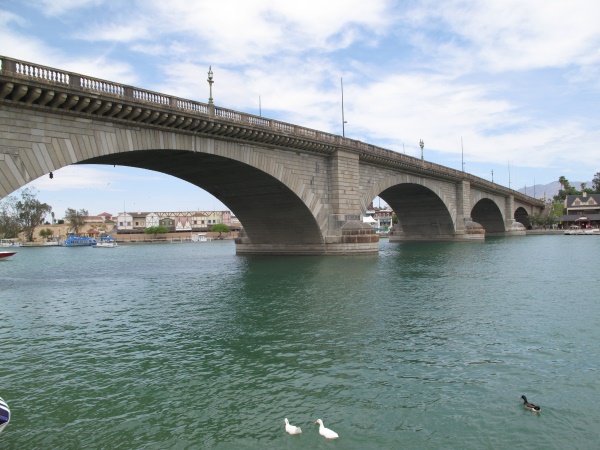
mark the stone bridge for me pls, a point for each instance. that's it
(294, 189)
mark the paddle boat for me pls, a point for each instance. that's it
(4, 414)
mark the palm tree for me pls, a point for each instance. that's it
(596, 183)
(563, 182)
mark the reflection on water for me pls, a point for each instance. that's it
(426, 345)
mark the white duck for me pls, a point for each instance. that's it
(291, 429)
(326, 432)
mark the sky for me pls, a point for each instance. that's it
(504, 89)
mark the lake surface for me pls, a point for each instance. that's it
(187, 346)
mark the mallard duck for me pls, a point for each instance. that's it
(291, 429)
(326, 432)
(530, 406)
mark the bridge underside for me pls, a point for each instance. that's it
(421, 214)
(486, 213)
(522, 217)
(271, 214)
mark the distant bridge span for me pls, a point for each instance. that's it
(295, 190)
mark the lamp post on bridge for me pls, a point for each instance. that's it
(421, 144)
(344, 122)
(210, 83)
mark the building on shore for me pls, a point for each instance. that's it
(379, 218)
(582, 210)
(130, 222)
(194, 222)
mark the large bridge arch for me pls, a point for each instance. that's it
(262, 202)
(276, 197)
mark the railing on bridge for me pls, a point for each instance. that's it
(143, 98)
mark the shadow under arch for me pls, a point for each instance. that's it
(422, 215)
(522, 216)
(270, 212)
(488, 215)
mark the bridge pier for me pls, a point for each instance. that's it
(354, 238)
(470, 232)
(513, 228)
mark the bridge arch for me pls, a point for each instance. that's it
(522, 216)
(271, 196)
(263, 201)
(422, 206)
(488, 214)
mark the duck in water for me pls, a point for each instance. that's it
(530, 406)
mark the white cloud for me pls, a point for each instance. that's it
(424, 69)
(507, 35)
(60, 7)
(241, 31)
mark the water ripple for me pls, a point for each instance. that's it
(190, 346)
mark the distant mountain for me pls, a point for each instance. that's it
(551, 189)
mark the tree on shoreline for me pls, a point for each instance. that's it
(9, 219)
(220, 228)
(567, 189)
(75, 219)
(46, 233)
(596, 183)
(156, 230)
(31, 212)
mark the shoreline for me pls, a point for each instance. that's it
(543, 232)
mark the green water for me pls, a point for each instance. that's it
(186, 346)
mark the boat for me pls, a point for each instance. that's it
(588, 231)
(200, 237)
(4, 414)
(105, 242)
(584, 226)
(573, 229)
(6, 254)
(9, 243)
(78, 241)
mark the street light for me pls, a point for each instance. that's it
(344, 122)
(492, 175)
(462, 153)
(421, 144)
(210, 83)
